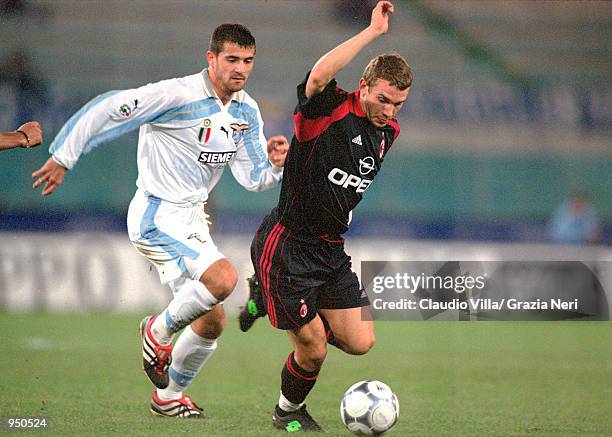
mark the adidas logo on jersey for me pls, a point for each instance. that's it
(357, 140)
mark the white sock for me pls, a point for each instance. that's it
(173, 391)
(286, 405)
(189, 355)
(191, 301)
(160, 330)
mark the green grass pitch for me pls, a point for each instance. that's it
(452, 378)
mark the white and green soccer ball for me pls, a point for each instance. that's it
(369, 408)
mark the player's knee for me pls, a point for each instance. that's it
(361, 346)
(227, 284)
(315, 356)
(311, 354)
(220, 279)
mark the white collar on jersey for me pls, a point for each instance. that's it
(238, 96)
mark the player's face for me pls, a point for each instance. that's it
(232, 66)
(381, 101)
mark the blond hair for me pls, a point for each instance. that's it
(391, 67)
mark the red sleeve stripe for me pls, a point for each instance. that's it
(307, 129)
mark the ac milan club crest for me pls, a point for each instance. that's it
(381, 149)
(303, 310)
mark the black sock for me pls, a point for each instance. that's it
(296, 382)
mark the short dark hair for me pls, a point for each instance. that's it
(391, 67)
(233, 33)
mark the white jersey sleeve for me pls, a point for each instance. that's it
(109, 116)
(187, 137)
(250, 166)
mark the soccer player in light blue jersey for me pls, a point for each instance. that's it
(191, 128)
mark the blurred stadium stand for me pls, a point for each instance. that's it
(510, 109)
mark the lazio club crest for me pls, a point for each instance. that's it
(205, 131)
(238, 131)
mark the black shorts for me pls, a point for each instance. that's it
(300, 275)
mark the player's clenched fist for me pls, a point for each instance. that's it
(278, 146)
(52, 173)
(380, 17)
(32, 133)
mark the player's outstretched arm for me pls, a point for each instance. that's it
(11, 140)
(332, 62)
(27, 135)
(103, 119)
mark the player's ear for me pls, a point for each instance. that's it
(210, 57)
(363, 87)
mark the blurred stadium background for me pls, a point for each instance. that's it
(509, 113)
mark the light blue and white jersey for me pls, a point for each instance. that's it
(186, 138)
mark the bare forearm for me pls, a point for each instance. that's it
(335, 60)
(10, 140)
(332, 62)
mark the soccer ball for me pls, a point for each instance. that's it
(369, 408)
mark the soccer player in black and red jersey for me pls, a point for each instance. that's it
(341, 140)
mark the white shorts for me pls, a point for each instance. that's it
(174, 238)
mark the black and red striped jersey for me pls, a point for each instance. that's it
(334, 156)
